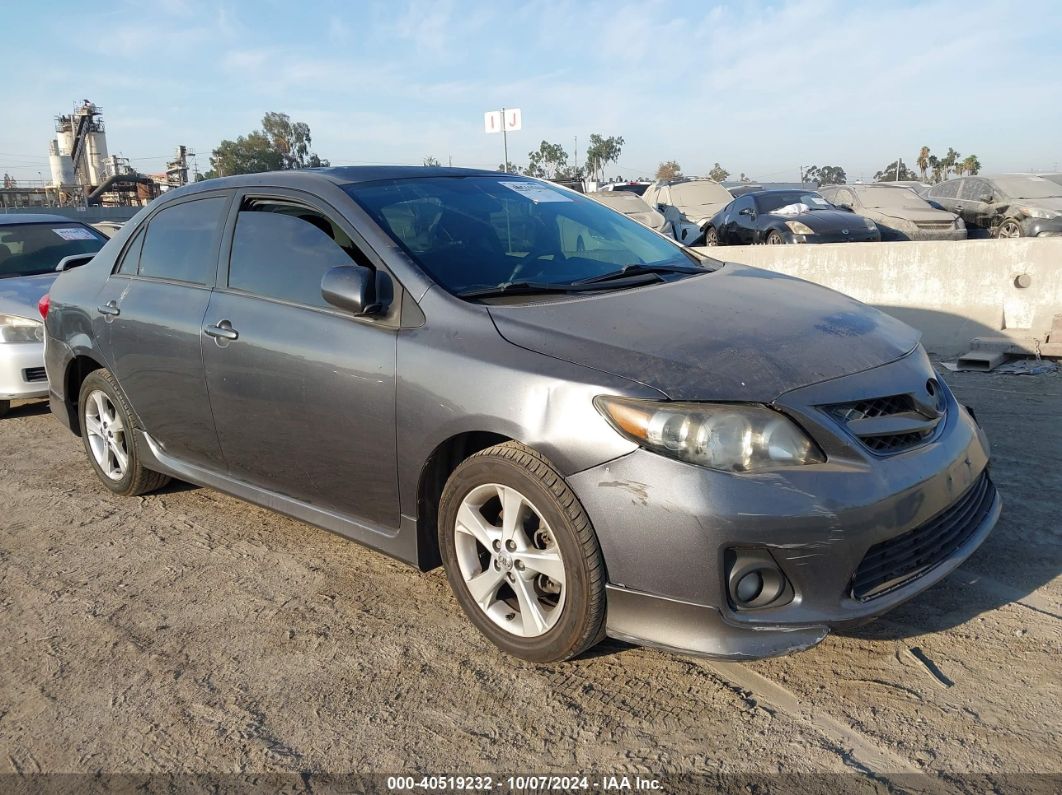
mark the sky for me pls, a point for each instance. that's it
(762, 88)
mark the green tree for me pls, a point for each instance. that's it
(827, 175)
(718, 173)
(431, 162)
(601, 152)
(743, 178)
(923, 162)
(511, 169)
(547, 162)
(950, 161)
(936, 168)
(669, 169)
(280, 144)
(888, 174)
(970, 165)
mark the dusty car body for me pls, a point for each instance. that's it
(1009, 205)
(899, 212)
(626, 439)
(31, 246)
(776, 217)
(633, 206)
(688, 204)
(632, 186)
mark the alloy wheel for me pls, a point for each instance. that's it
(106, 435)
(1010, 229)
(509, 560)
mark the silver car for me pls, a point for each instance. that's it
(633, 206)
(622, 438)
(31, 247)
(898, 212)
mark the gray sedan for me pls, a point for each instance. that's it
(899, 212)
(620, 439)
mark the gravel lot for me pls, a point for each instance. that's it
(187, 631)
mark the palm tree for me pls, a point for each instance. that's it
(950, 161)
(971, 165)
(923, 161)
(937, 166)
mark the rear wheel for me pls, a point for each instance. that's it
(520, 554)
(711, 237)
(1009, 228)
(775, 238)
(107, 432)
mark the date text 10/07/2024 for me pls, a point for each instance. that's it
(522, 783)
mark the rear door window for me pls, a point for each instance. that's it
(282, 250)
(181, 242)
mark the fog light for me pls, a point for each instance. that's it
(754, 579)
(749, 587)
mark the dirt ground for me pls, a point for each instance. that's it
(189, 632)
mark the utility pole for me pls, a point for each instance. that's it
(577, 154)
(505, 141)
(898, 161)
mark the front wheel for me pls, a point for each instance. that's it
(711, 237)
(520, 555)
(775, 238)
(1009, 228)
(107, 431)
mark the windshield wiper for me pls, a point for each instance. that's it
(634, 279)
(639, 270)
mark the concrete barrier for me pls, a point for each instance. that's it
(950, 291)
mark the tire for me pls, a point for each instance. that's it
(774, 238)
(5, 406)
(711, 237)
(1009, 228)
(106, 431)
(565, 616)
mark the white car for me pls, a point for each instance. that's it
(688, 204)
(31, 247)
(633, 206)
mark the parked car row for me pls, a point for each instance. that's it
(595, 431)
(704, 212)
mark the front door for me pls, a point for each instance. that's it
(303, 394)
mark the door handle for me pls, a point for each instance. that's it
(109, 308)
(223, 330)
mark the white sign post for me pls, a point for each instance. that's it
(505, 122)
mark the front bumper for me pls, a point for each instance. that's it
(665, 528)
(22, 371)
(924, 233)
(855, 235)
(1042, 227)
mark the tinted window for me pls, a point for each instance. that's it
(27, 249)
(769, 202)
(283, 251)
(131, 257)
(740, 204)
(480, 232)
(179, 243)
(973, 189)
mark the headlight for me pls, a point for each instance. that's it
(1036, 212)
(20, 329)
(726, 436)
(798, 228)
(870, 224)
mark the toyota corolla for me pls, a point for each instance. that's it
(593, 429)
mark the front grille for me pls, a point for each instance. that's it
(897, 561)
(894, 423)
(31, 374)
(934, 224)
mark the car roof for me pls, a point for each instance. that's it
(789, 190)
(34, 218)
(306, 178)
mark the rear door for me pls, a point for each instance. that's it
(303, 394)
(151, 314)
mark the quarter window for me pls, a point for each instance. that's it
(283, 250)
(180, 242)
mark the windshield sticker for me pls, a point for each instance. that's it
(820, 202)
(536, 193)
(74, 233)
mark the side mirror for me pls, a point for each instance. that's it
(73, 261)
(353, 289)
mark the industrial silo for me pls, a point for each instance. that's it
(62, 166)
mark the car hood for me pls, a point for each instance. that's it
(1054, 203)
(699, 213)
(650, 218)
(825, 220)
(917, 216)
(739, 333)
(19, 294)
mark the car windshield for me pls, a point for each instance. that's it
(478, 232)
(31, 249)
(769, 202)
(631, 187)
(701, 191)
(892, 198)
(1028, 187)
